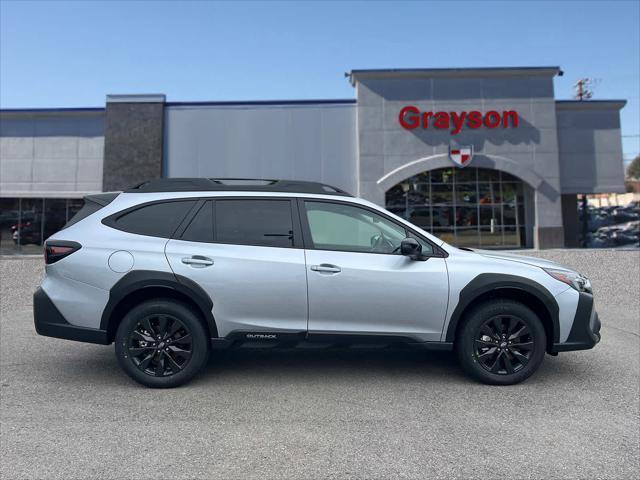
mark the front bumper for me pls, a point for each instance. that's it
(585, 331)
(51, 323)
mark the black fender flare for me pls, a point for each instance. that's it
(138, 280)
(487, 282)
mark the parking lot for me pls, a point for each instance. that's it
(67, 411)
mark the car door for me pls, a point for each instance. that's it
(247, 254)
(359, 283)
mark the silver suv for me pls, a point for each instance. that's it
(173, 268)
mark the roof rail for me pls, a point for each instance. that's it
(234, 185)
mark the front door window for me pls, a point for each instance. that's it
(336, 226)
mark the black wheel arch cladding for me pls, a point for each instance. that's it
(492, 283)
(141, 281)
(585, 329)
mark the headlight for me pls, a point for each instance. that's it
(573, 279)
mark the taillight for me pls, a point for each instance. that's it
(57, 250)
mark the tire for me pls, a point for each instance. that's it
(484, 337)
(161, 344)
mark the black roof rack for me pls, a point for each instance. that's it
(234, 185)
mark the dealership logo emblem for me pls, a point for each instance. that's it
(462, 155)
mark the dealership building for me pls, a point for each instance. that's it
(483, 157)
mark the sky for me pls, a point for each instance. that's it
(71, 54)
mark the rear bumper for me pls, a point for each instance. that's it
(51, 323)
(585, 331)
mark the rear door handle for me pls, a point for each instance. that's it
(326, 268)
(197, 261)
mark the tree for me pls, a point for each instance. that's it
(633, 170)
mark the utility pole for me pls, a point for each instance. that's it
(585, 222)
(582, 89)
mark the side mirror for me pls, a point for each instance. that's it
(411, 248)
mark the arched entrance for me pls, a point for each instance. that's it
(472, 207)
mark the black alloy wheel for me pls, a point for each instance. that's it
(160, 345)
(501, 342)
(503, 345)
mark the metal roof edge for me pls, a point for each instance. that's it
(136, 98)
(53, 110)
(231, 103)
(590, 104)
(451, 72)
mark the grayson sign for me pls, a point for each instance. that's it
(411, 117)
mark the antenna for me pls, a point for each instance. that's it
(583, 88)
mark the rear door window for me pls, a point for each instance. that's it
(266, 223)
(156, 220)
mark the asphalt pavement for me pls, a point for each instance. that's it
(68, 412)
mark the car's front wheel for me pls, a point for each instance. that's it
(501, 342)
(161, 343)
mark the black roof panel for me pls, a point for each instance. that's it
(234, 185)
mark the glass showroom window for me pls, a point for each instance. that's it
(26, 222)
(472, 207)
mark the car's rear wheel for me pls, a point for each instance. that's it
(161, 344)
(501, 342)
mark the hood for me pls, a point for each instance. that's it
(514, 257)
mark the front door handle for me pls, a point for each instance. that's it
(326, 268)
(197, 261)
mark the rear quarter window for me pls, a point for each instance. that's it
(90, 205)
(160, 219)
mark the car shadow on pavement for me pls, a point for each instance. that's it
(337, 363)
(99, 366)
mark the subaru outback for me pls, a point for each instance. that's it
(174, 268)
